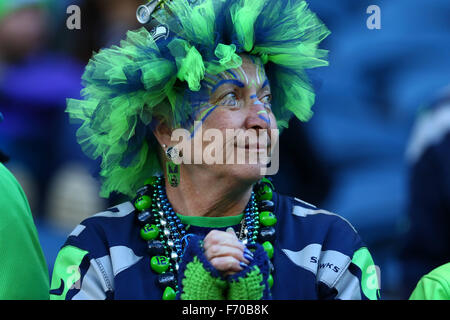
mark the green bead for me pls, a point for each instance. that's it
(143, 202)
(159, 264)
(149, 232)
(151, 180)
(264, 193)
(268, 247)
(267, 218)
(169, 294)
(270, 281)
(267, 181)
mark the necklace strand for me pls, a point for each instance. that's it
(167, 237)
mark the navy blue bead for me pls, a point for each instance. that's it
(145, 190)
(166, 279)
(155, 248)
(145, 217)
(267, 234)
(267, 205)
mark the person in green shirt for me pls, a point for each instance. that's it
(434, 285)
(23, 270)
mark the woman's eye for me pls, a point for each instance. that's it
(267, 100)
(229, 99)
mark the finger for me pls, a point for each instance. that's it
(231, 231)
(227, 264)
(247, 254)
(216, 237)
(222, 251)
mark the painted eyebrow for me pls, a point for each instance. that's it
(265, 84)
(235, 82)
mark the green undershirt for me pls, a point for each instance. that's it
(211, 222)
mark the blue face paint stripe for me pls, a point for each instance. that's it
(254, 96)
(236, 82)
(203, 119)
(263, 118)
(234, 76)
(209, 112)
(265, 83)
(220, 76)
(208, 83)
(213, 78)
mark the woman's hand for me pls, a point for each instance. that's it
(225, 252)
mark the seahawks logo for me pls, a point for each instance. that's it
(160, 31)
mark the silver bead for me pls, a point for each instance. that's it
(245, 241)
(163, 222)
(170, 243)
(166, 232)
(174, 255)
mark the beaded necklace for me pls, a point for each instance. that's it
(167, 237)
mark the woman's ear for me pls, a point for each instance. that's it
(163, 132)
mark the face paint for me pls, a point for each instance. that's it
(205, 114)
(267, 120)
(235, 82)
(236, 77)
(242, 74)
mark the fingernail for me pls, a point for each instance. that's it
(248, 257)
(248, 252)
(243, 265)
(230, 229)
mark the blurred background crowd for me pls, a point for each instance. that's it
(377, 150)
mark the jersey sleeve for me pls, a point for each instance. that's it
(355, 277)
(78, 276)
(368, 274)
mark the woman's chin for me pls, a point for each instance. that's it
(244, 172)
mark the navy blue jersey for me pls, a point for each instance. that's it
(318, 255)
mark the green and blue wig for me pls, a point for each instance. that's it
(128, 87)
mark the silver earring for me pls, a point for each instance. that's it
(173, 154)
